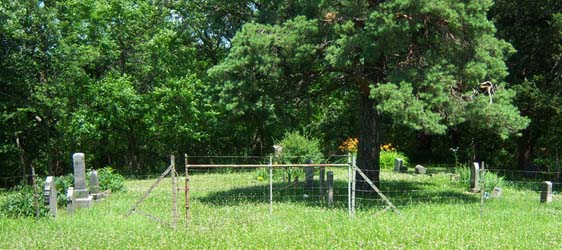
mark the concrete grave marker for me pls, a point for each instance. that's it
(94, 182)
(71, 199)
(419, 169)
(497, 192)
(475, 177)
(50, 195)
(83, 198)
(546, 192)
(95, 186)
(322, 180)
(309, 177)
(398, 164)
(330, 184)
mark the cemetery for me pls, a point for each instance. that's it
(259, 124)
(240, 208)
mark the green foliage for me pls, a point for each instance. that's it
(299, 148)
(63, 183)
(491, 180)
(110, 179)
(20, 204)
(387, 159)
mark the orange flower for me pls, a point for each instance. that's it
(349, 145)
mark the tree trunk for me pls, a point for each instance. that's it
(368, 149)
(524, 147)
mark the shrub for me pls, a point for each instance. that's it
(63, 183)
(110, 179)
(491, 180)
(387, 159)
(20, 204)
(299, 148)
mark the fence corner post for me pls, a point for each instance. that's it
(270, 185)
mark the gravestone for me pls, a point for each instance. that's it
(94, 182)
(95, 186)
(419, 169)
(398, 165)
(474, 177)
(322, 180)
(50, 195)
(546, 192)
(330, 184)
(71, 199)
(309, 177)
(83, 198)
(497, 192)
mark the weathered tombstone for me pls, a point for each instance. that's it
(330, 184)
(50, 195)
(322, 180)
(497, 192)
(419, 169)
(398, 164)
(308, 177)
(546, 192)
(94, 182)
(71, 199)
(83, 198)
(474, 177)
(95, 186)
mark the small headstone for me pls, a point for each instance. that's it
(454, 177)
(546, 192)
(309, 177)
(330, 185)
(71, 199)
(50, 195)
(403, 169)
(322, 180)
(497, 192)
(83, 198)
(474, 177)
(94, 182)
(398, 164)
(419, 169)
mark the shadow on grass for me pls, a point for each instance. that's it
(401, 193)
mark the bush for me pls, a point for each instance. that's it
(299, 148)
(110, 180)
(491, 180)
(387, 159)
(63, 183)
(20, 204)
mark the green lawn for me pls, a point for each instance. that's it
(231, 211)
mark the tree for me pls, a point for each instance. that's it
(535, 30)
(421, 63)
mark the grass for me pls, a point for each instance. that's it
(231, 211)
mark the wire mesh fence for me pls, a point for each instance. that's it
(265, 185)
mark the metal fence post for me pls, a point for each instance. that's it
(270, 185)
(174, 196)
(349, 183)
(353, 184)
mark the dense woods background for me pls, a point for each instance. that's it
(129, 82)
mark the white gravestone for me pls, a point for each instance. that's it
(50, 195)
(83, 198)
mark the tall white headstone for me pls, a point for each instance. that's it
(83, 198)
